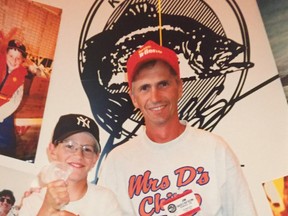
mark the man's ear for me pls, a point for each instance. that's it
(180, 88)
(134, 101)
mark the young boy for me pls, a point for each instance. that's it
(75, 142)
(12, 77)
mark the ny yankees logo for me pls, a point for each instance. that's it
(85, 121)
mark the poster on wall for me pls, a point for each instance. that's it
(28, 37)
(218, 60)
(276, 192)
(231, 84)
(210, 60)
(12, 190)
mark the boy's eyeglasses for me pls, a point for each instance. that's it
(71, 147)
(8, 200)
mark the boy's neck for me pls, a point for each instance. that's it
(77, 190)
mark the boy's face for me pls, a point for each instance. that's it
(5, 204)
(72, 152)
(14, 59)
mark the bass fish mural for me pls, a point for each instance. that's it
(192, 29)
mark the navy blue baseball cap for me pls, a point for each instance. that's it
(70, 124)
(16, 44)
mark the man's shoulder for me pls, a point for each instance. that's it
(204, 136)
(201, 132)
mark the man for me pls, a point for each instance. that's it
(75, 143)
(7, 200)
(12, 77)
(171, 168)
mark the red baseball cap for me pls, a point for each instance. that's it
(149, 51)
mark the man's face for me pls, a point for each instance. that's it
(155, 91)
(5, 204)
(14, 59)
